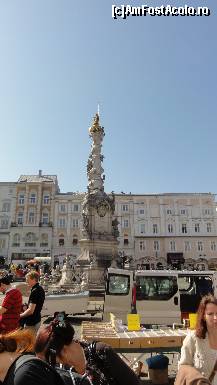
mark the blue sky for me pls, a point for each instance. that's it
(155, 79)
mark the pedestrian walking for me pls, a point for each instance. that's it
(31, 317)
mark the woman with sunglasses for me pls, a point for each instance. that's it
(199, 348)
(95, 362)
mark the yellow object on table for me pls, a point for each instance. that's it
(193, 320)
(133, 321)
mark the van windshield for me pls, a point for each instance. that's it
(155, 288)
(118, 284)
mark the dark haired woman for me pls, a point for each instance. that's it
(200, 346)
(95, 362)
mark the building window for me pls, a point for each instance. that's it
(75, 208)
(4, 223)
(170, 228)
(21, 199)
(6, 207)
(20, 218)
(62, 222)
(75, 223)
(44, 240)
(124, 207)
(62, 208)
(200, 246)
(33, 198)
(46, 199)
(187, 246)
(169, 211)
(142, 228)
(61, 240)
(156, 246)
(141, 245)
(126, 223)
(126, 241)
(45, 218)
(155, 230)
(213, 246)
(141, 211)
(16, 240)
(2, 243)
(209, 227)
(172, 246)
(75, 240)
(31, 218)
(197, 227)
(30, 240)
(207, 211)
(183, 212)
(184, 228)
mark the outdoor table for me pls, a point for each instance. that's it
(143, 341)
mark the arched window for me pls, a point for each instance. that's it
(16, 240)
(30, 237)
(61, 240)
(44, 240)
(30, 240)
(75, 240)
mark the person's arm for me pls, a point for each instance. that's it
(188, 350)
(29, 311)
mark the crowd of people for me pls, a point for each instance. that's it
(19, 271)
(31, 353)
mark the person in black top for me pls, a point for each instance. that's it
(31, 317)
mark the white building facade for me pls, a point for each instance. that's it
(155, 230)
(168, 228)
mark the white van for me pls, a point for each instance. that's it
(160, 297)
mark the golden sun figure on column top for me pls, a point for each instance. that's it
(95, 126)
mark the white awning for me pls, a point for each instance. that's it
(43, 259)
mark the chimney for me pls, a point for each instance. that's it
(40, 173)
